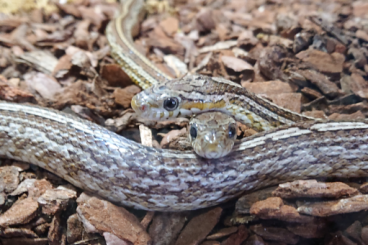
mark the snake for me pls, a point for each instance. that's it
(146, 75)
(127, 173)
(212, 135)
(194, 94)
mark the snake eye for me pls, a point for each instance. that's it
(232, 130)
(193, 131)
(171, 104)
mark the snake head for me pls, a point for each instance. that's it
(157, 103)
(212, 134)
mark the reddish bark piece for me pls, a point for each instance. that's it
(291, 101)
(271, 87)
(364, 188)
(124, 96)
(21, 212)
(323, 62)
(316, 114)
(245, 202)
(170, 25)
(198, 227)
(313, 189)
(359, 85)
(223, 232)
(102, 216)
(340, 117)
(11, 93)
(311, 93)
(347, 205)
(115, 76)
(39, 187)
(274, 208)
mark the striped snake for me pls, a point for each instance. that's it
(127, 173)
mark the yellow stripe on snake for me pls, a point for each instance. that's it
(127, 173)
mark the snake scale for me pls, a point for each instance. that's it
(127, 173)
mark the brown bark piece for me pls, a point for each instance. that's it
(75, 229)
(25, 241)
(238, 237)
(364, 234)
(158, 39)
(359, 85)
(364, 188)
(275, 234)
(9, 179)
(115, 76)
(124, 96)
(360, 8)
(198, 227)
(165, 227)
(11, 93)
(245, 202)
(255, 240)
(18, 232)
(314, 189)
(354, 230)
(205, 20)
(56, 234)
(170, 26)
(315, 229)
(327, 87)
(291, 101)
(236, 64)
(44, 85)
(105, 217)
(223, 232)
(39, 187)
(270, 87)
(346, 117)
(274, 208)
(313, 94)
(323, 62)
(347, 205)
(21, 212)
(56, 200)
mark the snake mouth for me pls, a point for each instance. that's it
(141, 104)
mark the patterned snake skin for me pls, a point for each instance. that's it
(127, 173)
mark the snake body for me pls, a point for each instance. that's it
(127, 173)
